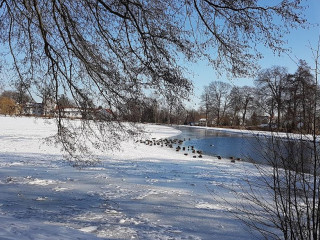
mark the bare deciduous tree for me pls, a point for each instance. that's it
(109, 51)
(282, 201)
(216, 99)
(271, 83)
(241, 100)
(206, 104)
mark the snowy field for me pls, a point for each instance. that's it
(141, 192)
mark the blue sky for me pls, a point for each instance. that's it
(298, 43)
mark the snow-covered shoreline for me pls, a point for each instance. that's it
(283, 135)
(141, 192)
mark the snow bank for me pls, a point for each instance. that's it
(305, 137)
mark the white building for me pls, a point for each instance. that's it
(33, 108)
(90, 113)
(202, 122)
(70, 112)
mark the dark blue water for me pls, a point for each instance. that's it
(224, 144)
(288, 153)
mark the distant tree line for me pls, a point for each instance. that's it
(154, 110)
(279, 100)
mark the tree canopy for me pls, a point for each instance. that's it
(112, 52)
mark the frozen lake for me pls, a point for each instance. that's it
(251, 146)
(226, 144)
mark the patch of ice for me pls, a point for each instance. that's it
(89, 229)
(11, 180)
(112, 211)
(41, 198)
(161, 193)
(130, 221)
(118, 232)
(152, 180)
(42, 182)
(91, 216)
(206, 205)
(16, 164)
(95, 168)
(103, 176)
(122, 221)
(60, 189)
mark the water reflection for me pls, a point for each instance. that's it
(225, 144)
(289, 153)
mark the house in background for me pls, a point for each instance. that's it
(202, 122)
(49, 106)
(32, 108)
(50, 109)
(103, 114)
(89, 113)
(68, 112)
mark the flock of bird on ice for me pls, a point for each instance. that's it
(177, 143)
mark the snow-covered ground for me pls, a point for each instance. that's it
(141, 192)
